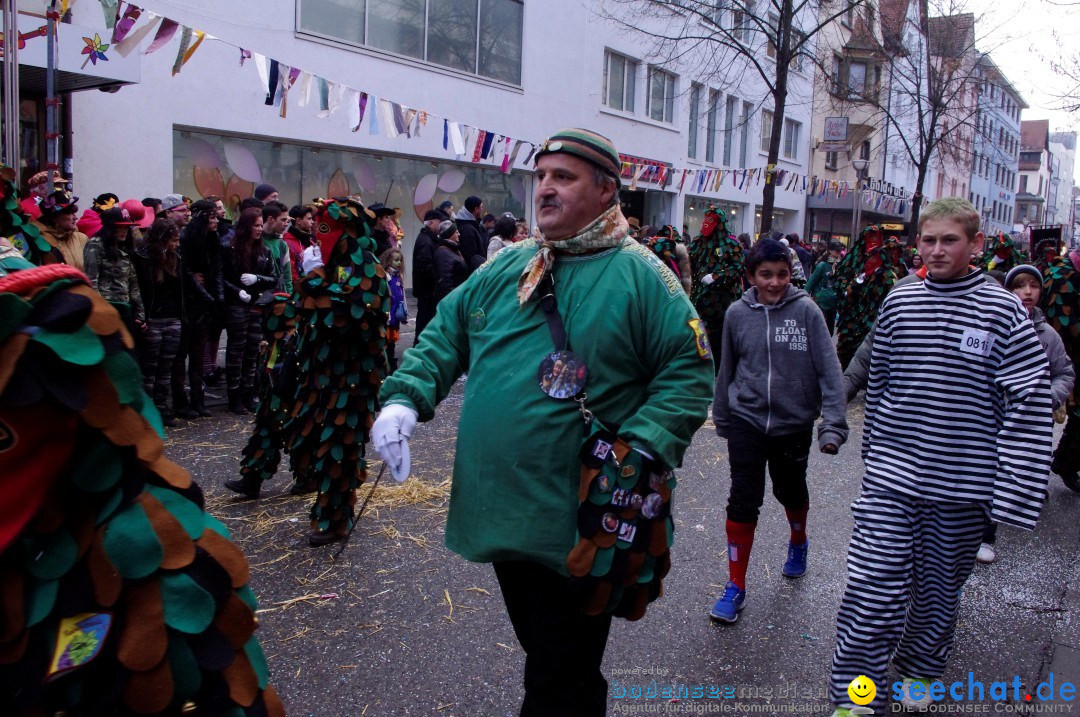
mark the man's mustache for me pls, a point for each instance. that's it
(554, 203)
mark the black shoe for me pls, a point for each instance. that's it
(300, 489)
(244, 488)
(187, 414)
(319, 538)
(250, 404)
(201, 409)
(168, 421)
(236, 405)
(212, 378)
(1072, 481)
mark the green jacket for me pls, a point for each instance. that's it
(821, 286)
(516, 468)
(279, 250)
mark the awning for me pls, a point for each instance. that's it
(75, 71)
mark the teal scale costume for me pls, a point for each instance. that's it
(341, 362)
(715, 252)
(120, 594)
(863, 277)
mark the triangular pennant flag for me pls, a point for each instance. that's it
(164, 34)
(352, 106)
(398, 115)
(529, 158)
(489, 138)
(199, 37)
(511, 156)
(410, 117)
(445, 134)
(133, 39)
(131, 16)
(478, 150)
(185, 41)
(110, 8)
(376, 116)
(386, 119)
(303, 87)
(683, 180)
(455, 138)
(272, 81)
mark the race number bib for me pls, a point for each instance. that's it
(980, 343)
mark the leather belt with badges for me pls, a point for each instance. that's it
(624, 524)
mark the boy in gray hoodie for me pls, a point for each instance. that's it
(778, 372)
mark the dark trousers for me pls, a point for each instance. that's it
(192, 346)
(244, 327)
(563, 646)
(830, 320)
(749, 452)
(161, 343)
(425, 312)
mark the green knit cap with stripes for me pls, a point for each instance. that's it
(587, 145)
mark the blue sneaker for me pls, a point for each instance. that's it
(728, 607)
(795, 565)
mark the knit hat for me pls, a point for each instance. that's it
(263, 191)
(587, 145)
(1016, 271)
(447, 229)
(171, 201)
(473, 202)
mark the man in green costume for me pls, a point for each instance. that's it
(515, 495)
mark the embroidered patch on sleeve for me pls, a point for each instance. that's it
(701, 339)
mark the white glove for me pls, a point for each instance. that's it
(311, 259)
(708, 279)
(248, 279)
(244, 296)
(390, 434)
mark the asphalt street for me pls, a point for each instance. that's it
(398, 625)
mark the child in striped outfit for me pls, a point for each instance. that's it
(958, 429)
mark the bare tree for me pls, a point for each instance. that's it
(931, 101)
(727, 41)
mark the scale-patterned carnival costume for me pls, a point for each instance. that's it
(1061, 304)
(18, 227)
(716, 252)
(341, 362)
(121, 595)
(863, 278)
(277, 385)
(1001, 254)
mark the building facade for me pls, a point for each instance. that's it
(1033, 190)
(864, 85)
(501, 66)
(1063, 148)
(995, 156)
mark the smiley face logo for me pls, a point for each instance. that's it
(862, 690)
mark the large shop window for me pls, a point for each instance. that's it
(480, 37)
(205, 164)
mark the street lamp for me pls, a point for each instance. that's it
(860, 166)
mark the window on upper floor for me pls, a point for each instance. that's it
(830, 160)
(620, 75)
(479, 37)
(774, 22)
(710, 126)
(660, 101)
(792, 131)
(695, 121)
(766, 130)
(744, 144)
(856, 79)
(864, 150)
(1023, 183)
(729, 127)
(742, 19)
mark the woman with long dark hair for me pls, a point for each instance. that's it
(248, 271)
(161, 281)
(200, 247)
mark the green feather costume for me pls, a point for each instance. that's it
(1001, 254)
(121, 595)
(341, 362)
(715, 252)
(277, 363)
(1061, 304)
(860, 292)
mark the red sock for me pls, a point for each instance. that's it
(740, 538)
(796, 518)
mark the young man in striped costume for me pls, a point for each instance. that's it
(958, 431)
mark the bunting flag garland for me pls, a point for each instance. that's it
(165, 33)
(123, 27)
(134, 39)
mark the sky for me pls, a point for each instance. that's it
(1022, 37)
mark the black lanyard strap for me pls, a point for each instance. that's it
(550, 306)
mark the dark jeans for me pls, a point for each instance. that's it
(749, 452)
(563, 646)
(244, 327)
(192, 346)
(830, 320)
(425, 312)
